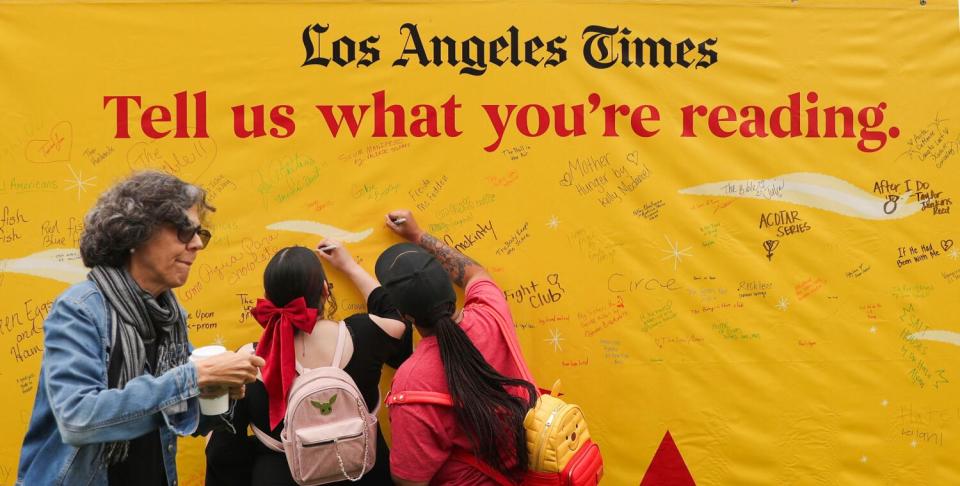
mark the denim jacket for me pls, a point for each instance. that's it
(75, 414)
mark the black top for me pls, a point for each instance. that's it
(144, 462)
(243, 460)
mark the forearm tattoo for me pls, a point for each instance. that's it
(454, 262)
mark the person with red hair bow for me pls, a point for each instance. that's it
(297, 318)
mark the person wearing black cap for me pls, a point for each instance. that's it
(464, 354)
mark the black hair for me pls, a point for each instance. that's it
(128, 213)
(491, 417)
(295, 272)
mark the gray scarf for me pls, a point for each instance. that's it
(137, 318)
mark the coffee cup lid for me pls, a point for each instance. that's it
(208, 351)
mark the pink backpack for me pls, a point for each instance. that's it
(328, 434)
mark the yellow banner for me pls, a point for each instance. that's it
(727, 227)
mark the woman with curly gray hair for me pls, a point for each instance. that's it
(116, 386)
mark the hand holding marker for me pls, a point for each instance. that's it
(404, 224)
(329, 247)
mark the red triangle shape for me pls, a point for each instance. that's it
(667, 467)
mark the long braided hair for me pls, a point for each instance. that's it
(482, 406)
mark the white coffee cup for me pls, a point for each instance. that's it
(215, 405)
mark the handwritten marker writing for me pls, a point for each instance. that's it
(399, 220)
(327, 248)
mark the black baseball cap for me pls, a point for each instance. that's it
(416, 281)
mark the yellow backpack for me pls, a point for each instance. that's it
(555, 431)
(558, 443)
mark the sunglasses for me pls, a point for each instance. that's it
(185, 235)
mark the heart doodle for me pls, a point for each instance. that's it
(55, 148)
(567, 179)
(187, 159)
(946, 244)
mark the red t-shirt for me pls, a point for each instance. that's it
(425, 435)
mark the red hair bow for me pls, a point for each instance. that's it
(276, 348)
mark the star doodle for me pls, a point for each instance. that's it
(675, 252)
(78, 182)
(555, 340)
(553, 223)
(783, 304)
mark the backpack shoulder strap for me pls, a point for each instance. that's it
(421, 397)
(341, 341)
(342, 333)
(465, 457)
(300, 369)
(459, 455)
(266, 439)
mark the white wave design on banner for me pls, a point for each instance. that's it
(948, 337)
(62, 264)
(320, 229)
(816, 191)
